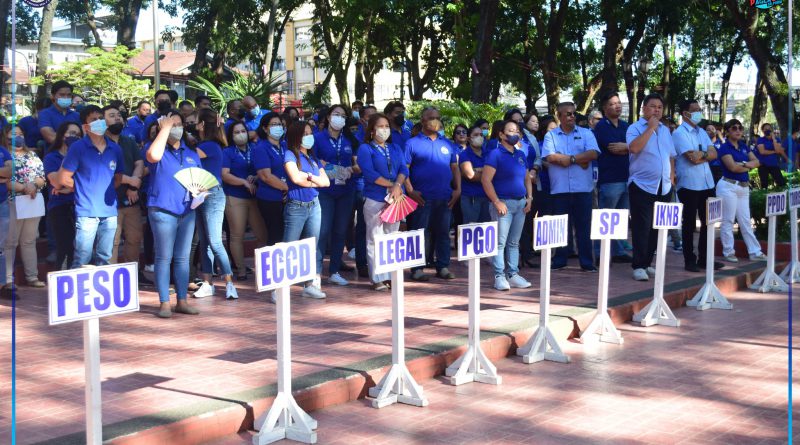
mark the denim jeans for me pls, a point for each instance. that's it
(579, 208)
(172, 237)
(475, 209)
(301, 220)
(336, 213)
(209, 227)
(5, 219)
(434, 215)
(93, 232)
(509, 229)
(612, 195)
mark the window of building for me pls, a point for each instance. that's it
(307, 62)
(279, 64)
(302, 33)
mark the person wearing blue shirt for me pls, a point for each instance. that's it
(61, 204)
(30, 125)
(507, 184)
(268, 160)
(395, 111)
(135, 125)
(169, 210)
(52, 117)
(165, 101)
(356, 241)
(235, 112)
(716, 139)
(435, 184)
(474, 204)
(650, 179)
(384, 168)
(366, 113)
(768, 149)
(570, 151)
(5, 216)
(695, 181)
(252, 116)
(737, 161)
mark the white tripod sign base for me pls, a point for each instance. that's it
(709, 297)
(285, 420)
(791, 273)
(542, 346)
(769, 281)
(657, 312)
(602, 329)
(397, 386)
(473, 366)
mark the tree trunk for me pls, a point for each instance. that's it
(340, 77)
(482, 80)
(759, 105)
(666, 72)
(218, 64)
(98, 42)
(273, 11)
(5, 11)
(201, 53)
(550, 31)
(360, 87)
(129, 11)
(726, 79)
(530, 102)
(642, 72)
(43, 49)
(277, 41)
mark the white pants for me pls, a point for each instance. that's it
(736, 203)
(375, 227)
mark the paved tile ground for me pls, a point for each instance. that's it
(151, 365)
(720, 378)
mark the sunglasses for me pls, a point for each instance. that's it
(736, 128)
(569, 114)
(460, 132)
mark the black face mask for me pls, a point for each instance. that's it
(164, 106)
(115, 129)
(191, 128)
(241, 114)
(399, 120)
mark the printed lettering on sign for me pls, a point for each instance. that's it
(477, 240)
(399, 250)
(550, 231)
(81, 294)
(713, 210)
(667, 215)
(609, 224)
(794, 198)
(776, 204)
(285, 264)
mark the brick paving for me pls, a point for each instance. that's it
(157, 371)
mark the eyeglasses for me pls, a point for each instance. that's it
(460, 132)
(569, 114)
(736, 128)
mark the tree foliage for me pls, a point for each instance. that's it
(237, 88)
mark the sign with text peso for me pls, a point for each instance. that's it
(477, 240)
(550, 231)
(285, 264)
(399, 250)
(91, 292)
(609, 224)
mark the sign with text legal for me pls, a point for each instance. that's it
(285, 264)
(550, 231)
(713, 210)
(776, 204)
(609, 224)
(667, 215)
(81, 294)
(477, 240)
(794, 198)
(399, 250)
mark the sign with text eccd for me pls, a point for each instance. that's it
(776, 204)
(285, 264)
(609, 224)
(667, 215)
(477, 240)
(92, 292)
(713, 210)
(399, 250)
(550, 231)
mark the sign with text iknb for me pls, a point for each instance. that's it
(794, 198)
(550, 231)
(776, 204)
(285, 264)
(477, 240)
(667, 215)
(609, 224)
(81, 294)
(399, 250)
(713, 210)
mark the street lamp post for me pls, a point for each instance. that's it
(712, 104)
(157, 67)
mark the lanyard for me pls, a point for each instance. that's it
(246, 156)
(278, 151)
(337, 144)
(386, 154)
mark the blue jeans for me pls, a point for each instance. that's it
(612, 195)
(509, 229)
(172, 237)
(434, 215)
(92, 232)
(301, 220)
(474, 209)
(209, 228)
(579, 208)
(336, 214)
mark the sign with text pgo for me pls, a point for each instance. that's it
(609, 224)
(399, 250)
(667, 215)
(477, 240)
(550, 231)
(285, 264)
(81, 294)
(776, 204)
(794, 198)
(713, 210)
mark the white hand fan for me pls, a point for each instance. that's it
(197, 181)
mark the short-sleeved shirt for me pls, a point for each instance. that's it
(611, 167)
(94, 172)
(134, 128)
(5, 156)
(240, 164)
(511, 169)
(252, 122)
(266, 155)
(337, 151)
(429, 163)
(130, 154)
(651, 167)
(740, 154)
(400, 138)
(574, 178)
(166, 193)
(307, 165)
(716, 143)
(380, 162)
(52, 117)
(691, 176)
(472, 188)
(30, 128)
(52, 163)
(770, 160)
(212, 163)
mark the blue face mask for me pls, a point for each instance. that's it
(356, 115)
(64, 102)
(98, 127)
(441, 133)
(308, 141)
(697, 116)
(255, 111)
(485, 133)
(69, 140)
(276, 132)
(512, 139)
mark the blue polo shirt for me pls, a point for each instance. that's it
(266, 155)
(378, 162)
(52, 163)
(5, 156)
(166, 193)
(691, 176)
(212, 163)
(337, 152)
(490, 145)
(400, 138)
(240, 164)
(470, 188)
(509, 179)
(230, 122)
(252, 122)
(574, 178)
(740, 154)
(429, 166)
(52, 117)
(134, 128)
(611, 167)
(307, 165)
(651, 166)
(30, 127)
(93, 172)
(770, 160)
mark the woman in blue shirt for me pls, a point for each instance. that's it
(768, 151)
(303, 212)
(61, 205)
(474, 205)
(460, 138)
(384, 168)
(168, 207)
(268, 159)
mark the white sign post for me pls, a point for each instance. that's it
(278, 267)
(791, 274)
(476, 241)
(548, 232)
(607, 225)
(769, 281)
(394, 253)
(709, 296)
(666, 216)
(87, 294)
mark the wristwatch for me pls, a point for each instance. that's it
(572, 159)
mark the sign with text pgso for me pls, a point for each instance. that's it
(91, 292)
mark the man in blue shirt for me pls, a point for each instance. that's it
(165, 101)
(768, 149)
(716, 139)
(650, 179)
(395, 111)
(235, 113)
(435, 184)
(135, 124)
(695, 182)
(252, 116)
(366, 113)
(30, 125)
(51, 118)
(612, 164)
(570, 151)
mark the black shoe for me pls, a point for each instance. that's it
(622, 259)
(346, 267)
(691, 267)
(717, 265)
(557, 266)
(529, 262)
(589, 269)
(363, 271)
(144, 280)
(573, 255)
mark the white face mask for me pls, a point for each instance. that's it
(308, 141)
(240, 138)
(337, 122)
(476, 141)
(176, 133)
(382, 134)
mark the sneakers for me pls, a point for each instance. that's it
(380, 286)
(313, 292)
(758, 257)
(445, 274)
(500, 282)
(518, 282)
(731, 258)
(640, 275)
(206, 290)
(338, 280)
(651, 271)
(230, 291)
(150, 268)
(274, 297)
(419, 275)
(351, 254)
